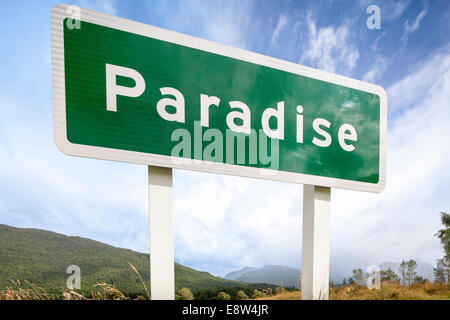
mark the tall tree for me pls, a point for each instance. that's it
(389, 275)
(411, 266)
(357, 276)
(439, 271)
(344, 282)
(419, 279)
(444, 237)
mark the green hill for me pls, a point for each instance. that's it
(42, 258)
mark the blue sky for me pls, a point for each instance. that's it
(223, 223)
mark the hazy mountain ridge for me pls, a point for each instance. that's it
(288, 276)
(273, 274)
(285, 275)
(233, 275)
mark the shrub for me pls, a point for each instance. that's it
(257, 294)
(223, 296)
(185, 294)
(241, 295)
(280, 290)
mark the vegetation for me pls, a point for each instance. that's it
(185, 294)
(241, 295)
(406, 269)
(36, 258)
(223, 296)
(411, 265)
(442, 270)
(392, 291)
(408, 273)
(389, 275)
(257, 294)
(388, 291)
(280, 290)
(357, 276)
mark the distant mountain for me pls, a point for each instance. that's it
(236, 274)
(276, 275)
(42, 257)
(424, 269)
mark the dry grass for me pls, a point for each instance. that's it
(140, 278)
(32, 292)
(393, 291)
(104, 291)
(288, 295)
(388, 291)
(29, 291)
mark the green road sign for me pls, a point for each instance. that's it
(131, 92)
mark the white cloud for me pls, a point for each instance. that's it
(394, 9)
(43, 188)
(376, 71)
(416, 85)
(282, 21)
(410, 28)
(401, 221)
(330, 48)
(224, 22)
(259, 222)
(225, 222)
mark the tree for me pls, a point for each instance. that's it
(389, 275)
(444, 237)
(357, 276)
(411, 265)
(444, 234)
(402, 270)
(223, 296)
(241, 295)
(441, 271)
(344, 282)
(419, 279)
(257, 294)
(185, 294)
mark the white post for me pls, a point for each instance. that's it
(316, 242)
(162, 267)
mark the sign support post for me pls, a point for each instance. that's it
(315, 243)
(162, 267)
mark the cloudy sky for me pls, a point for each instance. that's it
(223, 223)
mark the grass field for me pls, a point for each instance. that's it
(388, 291)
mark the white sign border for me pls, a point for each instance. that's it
(59, 13)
